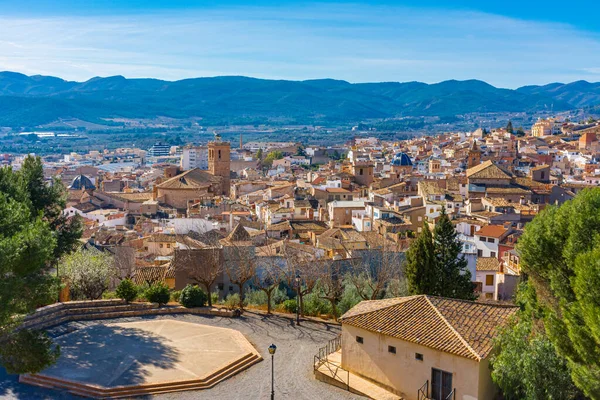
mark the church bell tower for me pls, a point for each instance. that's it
(219, 162)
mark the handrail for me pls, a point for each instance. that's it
(321, 359)
(423, 393)
(451, 395)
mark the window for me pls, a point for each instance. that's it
(493, 254)
(441, 384)
(160, 245)
(219, 154)
(418, 356)
(490, 240)
(479, 253)
(230, 288)
(392, 349)
(220, 286)
(420, 218)
(361, 171)
(359, 339)
(168, 245)
(489, 280)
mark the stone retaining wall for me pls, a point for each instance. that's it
(55, 314)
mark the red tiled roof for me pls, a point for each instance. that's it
(459, 327)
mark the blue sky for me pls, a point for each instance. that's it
(508, 43)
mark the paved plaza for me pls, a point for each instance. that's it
(147, 352)
(294, 378)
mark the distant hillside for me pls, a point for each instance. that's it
(577, 94)
(35, 100)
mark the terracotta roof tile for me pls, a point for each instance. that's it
(487, 264)
(459, 327)
(488, 170)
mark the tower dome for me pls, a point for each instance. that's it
(82, 182)
(401, 160)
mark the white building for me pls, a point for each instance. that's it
(194, 157)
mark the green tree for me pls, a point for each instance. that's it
(300, 151)
(192, 296)
(259, 154)
(509, 127)
(421, 265)
(33, 233)
(560, 253)
(51, 200)
(526, 365)
(272, 156)
(520, 131)
(127, 290)
(454, 279)
(158, 293)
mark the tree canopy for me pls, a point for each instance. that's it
(33, 234)
(435, 265)
(560, 254)
(526, 365)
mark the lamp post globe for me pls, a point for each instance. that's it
(272, 349)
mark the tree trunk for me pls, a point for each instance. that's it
(269, 294)
(241, 296)
(209, 300)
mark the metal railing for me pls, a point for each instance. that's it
(321, 359)
(423, 393)
(451, 395)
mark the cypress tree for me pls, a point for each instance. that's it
(509, 127)
(454, 278)
(421, 265)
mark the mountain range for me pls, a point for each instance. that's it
(36, 100)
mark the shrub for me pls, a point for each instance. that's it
(256, 297)
(315, 306)
(214, 297)
(290, 305)
(278, 296)
(232, 301)
(349, 299)
(192, 296)
(176, 295)
(127, 290)
(109, 296)
(158, 293)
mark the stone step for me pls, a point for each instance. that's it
(105, 309)
(141, 390)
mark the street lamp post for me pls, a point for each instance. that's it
(298, 305)
(272, 349)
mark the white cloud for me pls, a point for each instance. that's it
(356, 43)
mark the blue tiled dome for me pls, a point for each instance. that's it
(82, 182)
(401, 160)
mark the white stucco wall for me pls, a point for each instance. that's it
(402, 372)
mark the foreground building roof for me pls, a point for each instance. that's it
(459, 327)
